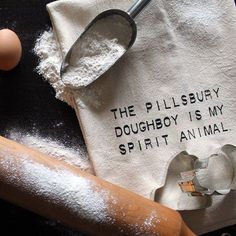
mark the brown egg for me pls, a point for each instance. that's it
(10, 49)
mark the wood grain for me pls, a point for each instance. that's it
(127, 214)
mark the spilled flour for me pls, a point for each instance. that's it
(54, 148)
(97, 50)
(48, 51)
(100, 47)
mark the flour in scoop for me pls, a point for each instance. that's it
(97, 50)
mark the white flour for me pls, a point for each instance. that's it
(101, 47)
(54, 148)
(62, 188)
(47, 49)
(97, 50)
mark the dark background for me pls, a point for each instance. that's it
(28, 103)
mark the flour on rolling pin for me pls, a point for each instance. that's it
(59, 186)
(76, 194)
(72, 155)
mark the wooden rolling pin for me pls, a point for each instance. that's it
(57, 190)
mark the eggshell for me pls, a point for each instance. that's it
(10, 49)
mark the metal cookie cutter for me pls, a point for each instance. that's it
(189, 184)
(210, 176)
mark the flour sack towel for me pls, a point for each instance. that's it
(173, 92)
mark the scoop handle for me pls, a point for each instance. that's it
(137, 7)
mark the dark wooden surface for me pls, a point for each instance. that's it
(27, 103)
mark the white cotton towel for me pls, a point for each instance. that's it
(177, 82)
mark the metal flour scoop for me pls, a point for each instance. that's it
(105, 40)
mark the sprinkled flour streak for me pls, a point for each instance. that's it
(149, 222)
(61, 187)
(72, 155)
(146, 228)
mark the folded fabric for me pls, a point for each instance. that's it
(174, 91)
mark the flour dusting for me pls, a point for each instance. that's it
(97, 50)
(72, 155)
(62, 188)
